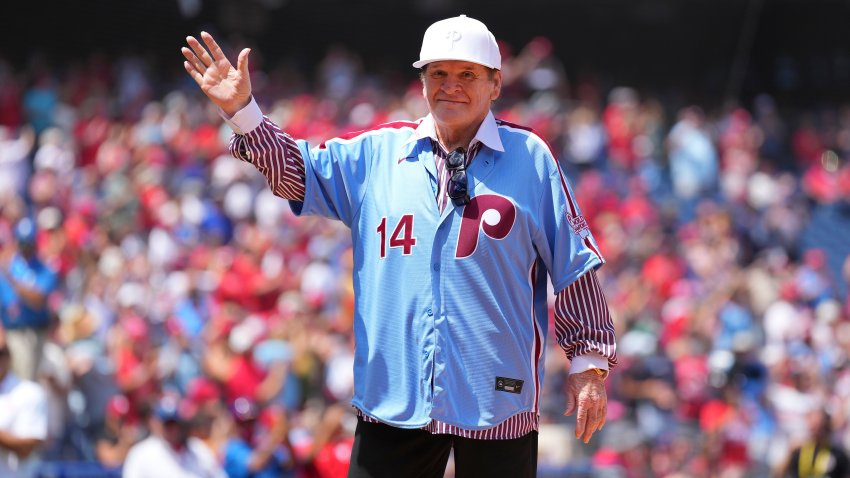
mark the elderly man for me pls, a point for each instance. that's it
(456, 220)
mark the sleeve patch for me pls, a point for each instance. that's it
(579, 225)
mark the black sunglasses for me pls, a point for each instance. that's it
(457, 187)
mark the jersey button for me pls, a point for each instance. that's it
(437, 266)
(430, 312)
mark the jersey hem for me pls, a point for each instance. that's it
(447, 422)
(362, 410)
(487, 427)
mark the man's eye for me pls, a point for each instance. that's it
(468, 75)
(438, 74)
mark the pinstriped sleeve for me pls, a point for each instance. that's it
(276, 155)
(257, 140)
(583, 323)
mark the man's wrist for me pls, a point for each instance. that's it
(244, 120)
(231, 110)
(599, 372)
(590, 361)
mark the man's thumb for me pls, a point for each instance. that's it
(571, 405)
(242, 61)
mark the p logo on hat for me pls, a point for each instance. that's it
(453, 36)
(459, 38)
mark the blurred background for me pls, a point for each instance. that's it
(707, 141)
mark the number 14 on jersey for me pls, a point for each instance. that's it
(402, 235)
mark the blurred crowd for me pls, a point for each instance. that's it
(177, 298)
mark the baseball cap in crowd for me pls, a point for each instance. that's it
(172, 408)
(118, 406)
(459, 38)
(244, 409)
(25, 231)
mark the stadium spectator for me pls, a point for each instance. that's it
(170, 450)
(233, 364)
(119, 433)
(54, 374)
(14, 165)
(212, 423)
(259, 446)
(23, 419)
(26, 283)
(41, 99)
(819, 455)
(693, 159)
(136, 360)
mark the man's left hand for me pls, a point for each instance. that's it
(586, 396)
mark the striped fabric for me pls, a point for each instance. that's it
(443, 174)
(582, 321)
(517, 426)
(276, 155)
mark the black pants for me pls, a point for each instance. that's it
(382, 451)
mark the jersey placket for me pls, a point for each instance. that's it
(443, 256)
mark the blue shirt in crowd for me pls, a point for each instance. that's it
(14, 311)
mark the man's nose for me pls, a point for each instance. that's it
(450, 85)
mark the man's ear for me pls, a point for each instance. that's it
(497, 85)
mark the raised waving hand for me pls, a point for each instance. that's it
(228, 87)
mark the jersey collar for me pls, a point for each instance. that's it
(487, 134)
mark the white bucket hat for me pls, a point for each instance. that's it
(459, 38)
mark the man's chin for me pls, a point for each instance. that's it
(449, 115)
(451, 104)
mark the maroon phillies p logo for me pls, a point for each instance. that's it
(492, 214)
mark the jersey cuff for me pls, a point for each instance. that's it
(245, 120)
(588, 361)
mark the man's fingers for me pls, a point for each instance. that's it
(242, 62)
(587, 395)
(596, 417)
(581, 420)
(591, 424)
(193, 60)
(590, 418)
(217, 54)
(193, 73)
(200, 51)
(604, 418)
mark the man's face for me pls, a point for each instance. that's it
(175, 432)
(459, 92)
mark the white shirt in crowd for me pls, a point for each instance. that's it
(153, 457)
(23, 413)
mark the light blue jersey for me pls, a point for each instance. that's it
(451, 314)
